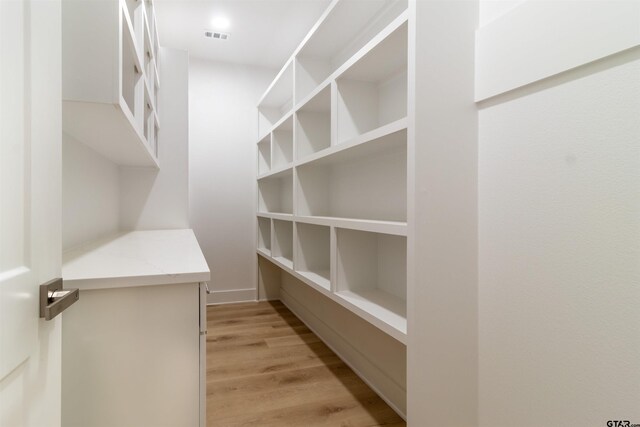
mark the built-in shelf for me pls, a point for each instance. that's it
(282, 144)
(388, 227)
(313, 124)
(277, 172)
(264, 155)
(372, 267)
(282, 243)
(265, 253)
(109, 90)
(282, 216)
(388, 132)
(343, 29)
(313, 253)
(332, 162)
(264, 234)
(367, 181)
(275, 193)
(384, 310)
(373, 91)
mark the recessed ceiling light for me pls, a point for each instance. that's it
(220, 23)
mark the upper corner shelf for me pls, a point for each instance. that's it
(342, 31)
(372, 87)
(277, 100)
(110, 79)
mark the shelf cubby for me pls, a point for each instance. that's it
(373, 91)
(264, 155)
(264, 234)
(313, 124)
(310, 73)
(282, 247)
(314, 253)
(275, 193)
(347, 27)
(372, 275)
(282, 144)
(366, 181)
(277, 101)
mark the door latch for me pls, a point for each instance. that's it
(54, 300)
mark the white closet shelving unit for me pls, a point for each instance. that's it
(110, 78)
(332, 161)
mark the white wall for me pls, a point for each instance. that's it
(101, 198)
(159, 199)
(90, 196)
(559, 229)
(222, 159)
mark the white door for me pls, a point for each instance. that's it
(30, 198)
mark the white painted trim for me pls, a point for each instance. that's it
(342, 348)
(539, 39)
(233, 295)
(273, 215)
(386, 227)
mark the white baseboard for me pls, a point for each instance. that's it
(234, 295)
(348, 353)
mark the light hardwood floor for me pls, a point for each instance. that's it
(266, 368)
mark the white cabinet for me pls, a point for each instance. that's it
(333, 161)
(133, 353)
(110, 78)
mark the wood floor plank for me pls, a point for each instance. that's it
(268, 331)
(251, 368)
(287, 341)
(278, 391)
(246, 312)
(266, 368)
(251, 320)
(268, 381)
(267, 355)
(243, 305)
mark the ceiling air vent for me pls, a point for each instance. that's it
(216, 35)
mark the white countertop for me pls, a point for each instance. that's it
(136, 258)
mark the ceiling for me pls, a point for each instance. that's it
(262, 32)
